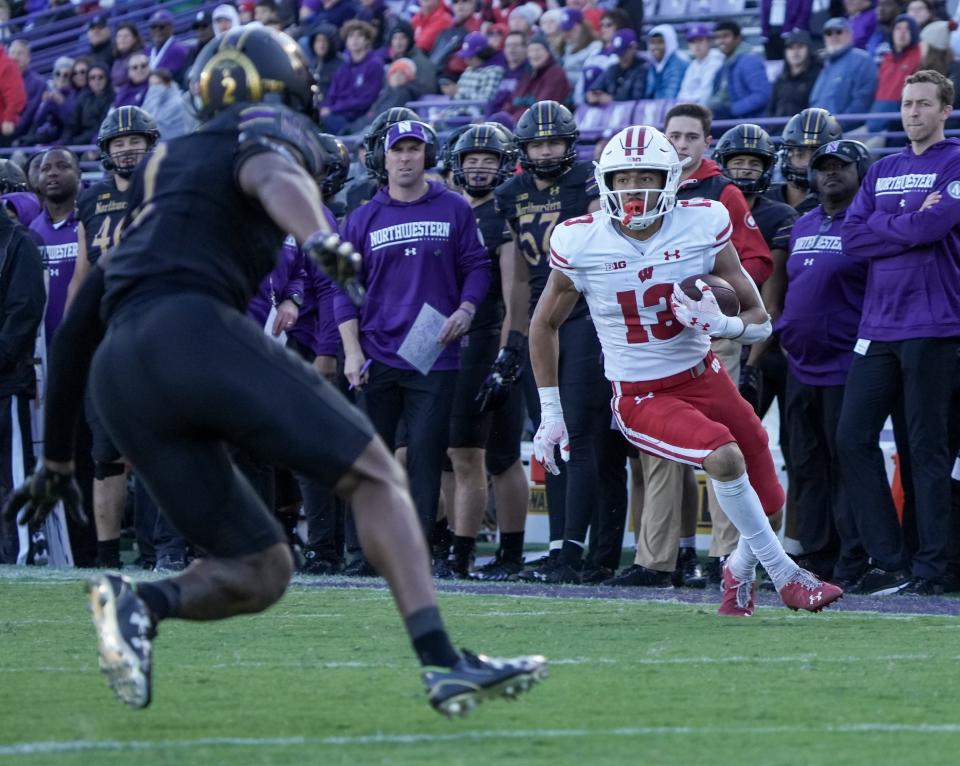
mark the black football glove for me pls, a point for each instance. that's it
(338, 260)
(40, 493)
(505, 372)
(751, 385)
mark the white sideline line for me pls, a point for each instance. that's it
(626, 663)
(70, 746)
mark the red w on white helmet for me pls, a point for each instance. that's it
(638, 147)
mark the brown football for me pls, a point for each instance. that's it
(722, 290)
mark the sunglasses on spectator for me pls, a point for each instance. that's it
(832, 32)
(65, 73)
(97, 77)
(138, 66)
(79, 71)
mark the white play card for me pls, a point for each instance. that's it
(420, 348)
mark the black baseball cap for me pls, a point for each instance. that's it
(845, 149)
(202, 19)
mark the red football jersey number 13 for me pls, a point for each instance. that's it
(667, 325)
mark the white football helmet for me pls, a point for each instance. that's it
(638, 147)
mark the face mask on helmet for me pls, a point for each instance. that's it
(637, 209)
(548, 168)
(125, 161)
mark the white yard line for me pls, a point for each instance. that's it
(71, 746)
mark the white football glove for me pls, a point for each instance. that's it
(704, 315)
(552, 432)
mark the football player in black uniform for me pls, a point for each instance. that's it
(373, 158)
(553, 188)
(487, 419)
(806, 132)
(125, 139)
(177, 373)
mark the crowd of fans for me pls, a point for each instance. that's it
(369, 60)
(368, 57)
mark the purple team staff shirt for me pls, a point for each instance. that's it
(426, 251)
(913, 285)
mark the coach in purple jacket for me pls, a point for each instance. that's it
(420, 245)
(906, 222)
(166, 53)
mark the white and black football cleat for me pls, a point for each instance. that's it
(125, 632)
(456, 691)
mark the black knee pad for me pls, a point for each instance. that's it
(499, 461)
(106, 470)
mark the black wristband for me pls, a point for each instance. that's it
(515, 340)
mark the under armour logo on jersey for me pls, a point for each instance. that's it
(808, 261)
(645, 273)
(667, 255)
(408, 251)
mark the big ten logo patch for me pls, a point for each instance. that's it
(615, 266)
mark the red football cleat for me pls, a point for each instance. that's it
(738, 596)
(807, 591)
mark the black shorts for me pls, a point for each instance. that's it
(103, 450)
(179, 378)
(506, 431)
(468, 426)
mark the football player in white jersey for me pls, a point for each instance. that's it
(671, 397)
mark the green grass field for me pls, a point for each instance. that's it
(327, 677)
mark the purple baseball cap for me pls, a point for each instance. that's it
(622, 41)
(571, 17)
(698, 30)
(161, 18)
(473, 45)
(408, 129)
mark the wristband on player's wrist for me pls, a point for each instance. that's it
(550, 407)
(515, 340)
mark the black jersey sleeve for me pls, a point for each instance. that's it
(270, 128)
(581, 176)
(781, 237)
(505, 203)
(71, 353)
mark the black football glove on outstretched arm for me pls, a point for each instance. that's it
(338, 260)
(39, 495)
(504, 373)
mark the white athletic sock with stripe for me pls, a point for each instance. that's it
(740, 502)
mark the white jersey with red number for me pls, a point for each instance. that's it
(628, 283)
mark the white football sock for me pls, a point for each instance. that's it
(743, 562)
(740, 502)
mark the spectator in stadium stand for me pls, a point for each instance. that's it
(56, 106)
(92, 105)
(777, 18)
(126, 42)
(432, 18)
(705, 62)
(78, 73)
(247, 10)
(451, 39)
(792, 88)
(323, 47)
(937, 55)
(546, 80)
(482, 77)
(202, 34)
(822, 299)
(669, 64)
(549, 26)
(524, 17)
(904, 221)
(922, 11)
(164, 102)
(741, 87)
(580, 43)
(166, 53)
(34, 85)
(446, 266)
(595, 65)
(100, 39)
(13, 96)
(863, 20)
(138, 80)
(399, 88)
(848, 80)
(333, 12)
(355, 85)
(400, 45)
(895, 67)
(879, 43)
(515, 55)
(22, 300)
(225, 17)
(627, 79)
(374, 12)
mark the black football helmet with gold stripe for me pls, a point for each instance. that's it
(125, 121)
(546, 120)
(252, 65)
(753, 141)
(813, 127)
(489, 138)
